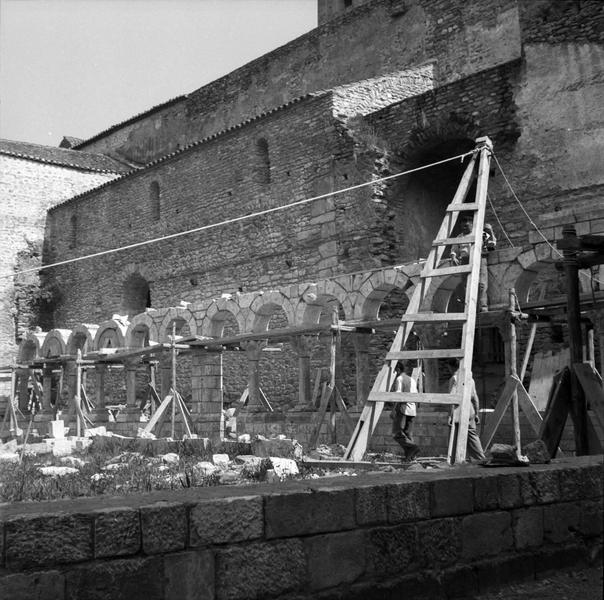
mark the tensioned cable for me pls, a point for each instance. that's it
(234, 219)
(535, 225)
(499, 222)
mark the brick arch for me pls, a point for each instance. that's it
(112, 332)
(263, 308)
(218, 312)
(177, 314)
(81, 338)
(314, 299)
(374, 289)
(142, 328)
(30, 346)
(55, 343)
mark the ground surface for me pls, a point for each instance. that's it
(582, 584)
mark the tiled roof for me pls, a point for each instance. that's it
(69, 141)
(62, 157)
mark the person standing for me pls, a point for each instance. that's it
(403, 413)
(474, 447)
(460, 255)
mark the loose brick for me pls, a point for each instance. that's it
(45, 540)
(189, 576)
(486, 534)
(117, 532)
(257, 569)
(306, 513)
(164, 527)
(226, 520)
(408, 501)
(335, 559)
(41, 585)
(452, 497)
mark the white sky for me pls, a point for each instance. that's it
(77, 67)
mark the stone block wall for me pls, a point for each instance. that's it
(438, 534)
(372, 39)
(27, 189)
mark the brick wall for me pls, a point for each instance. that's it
(27, 189)
(437, 534)
(376, 38)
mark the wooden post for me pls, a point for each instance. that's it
(513, 373)
(78, 396)
(173, 377)
(332, 376)
(573, 307)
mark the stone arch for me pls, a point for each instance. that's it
(81, 338)
(141, 331)
(110, 334)
(55, 343)
(375, 288)
(264, 307)
(182, 317)
(316, 298)
(218, 314)
(30, 347)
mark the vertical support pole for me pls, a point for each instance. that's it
(78, 393)
(514, 373)
(173, 344)
(573, 309)
(152, 381)
(591, 354)
(332, 375)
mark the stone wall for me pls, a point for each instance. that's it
(372, 39)
(27, 189)
(433, 534)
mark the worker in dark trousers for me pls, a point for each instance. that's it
(403, 413)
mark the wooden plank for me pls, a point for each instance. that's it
(431, 317)
(545, 366)
(444, 271)
(420, 398)
(452, 241)
(556, 413)
(264, 400)
(456, 207)
(345, 416)
(434, 353)
(592, 387)
(327, 391)
(158, 413)
(533, 416)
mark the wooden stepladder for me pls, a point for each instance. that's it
(417, 313)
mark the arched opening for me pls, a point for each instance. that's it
(263, 163)
(421, 197)
(136, 295)
(154, 201)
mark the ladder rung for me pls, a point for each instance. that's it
(466, 239)
(425, 398)
(446, 271)
(462, 206)
(433, 317)
(434, 353)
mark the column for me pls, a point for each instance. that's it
(252, 351)
(100, 372)
(302, 345)
(361, 347)
(207, 393)
(131, 366)
(46, 389)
